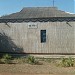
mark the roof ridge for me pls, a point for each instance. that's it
(38, 7)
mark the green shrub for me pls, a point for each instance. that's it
(28, 59)
(67, 62)
(32, 60)
(6, 59)
(70, 62)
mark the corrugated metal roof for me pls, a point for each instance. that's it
(38, 12)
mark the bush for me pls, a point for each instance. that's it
(67, 62)
(31, 60)
(28, 59)
(6, 59)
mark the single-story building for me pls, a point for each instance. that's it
(38, 30)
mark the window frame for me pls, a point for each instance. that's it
(43, 36)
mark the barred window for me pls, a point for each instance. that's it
(43, 36)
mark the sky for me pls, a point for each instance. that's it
(13, 6)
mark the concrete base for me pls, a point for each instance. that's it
(53, 56)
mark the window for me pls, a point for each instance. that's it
(43, 36)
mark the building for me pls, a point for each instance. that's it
(38, 30)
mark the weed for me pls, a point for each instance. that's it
(32, 60)
(67, 62)
(6, 59)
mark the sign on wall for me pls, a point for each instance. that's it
(32, 25)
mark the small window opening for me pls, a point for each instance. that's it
(43, 36)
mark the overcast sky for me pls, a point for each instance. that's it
(12, 6)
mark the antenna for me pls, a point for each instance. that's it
(53, 3)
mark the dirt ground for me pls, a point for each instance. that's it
(28, 69)
(32, 74)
